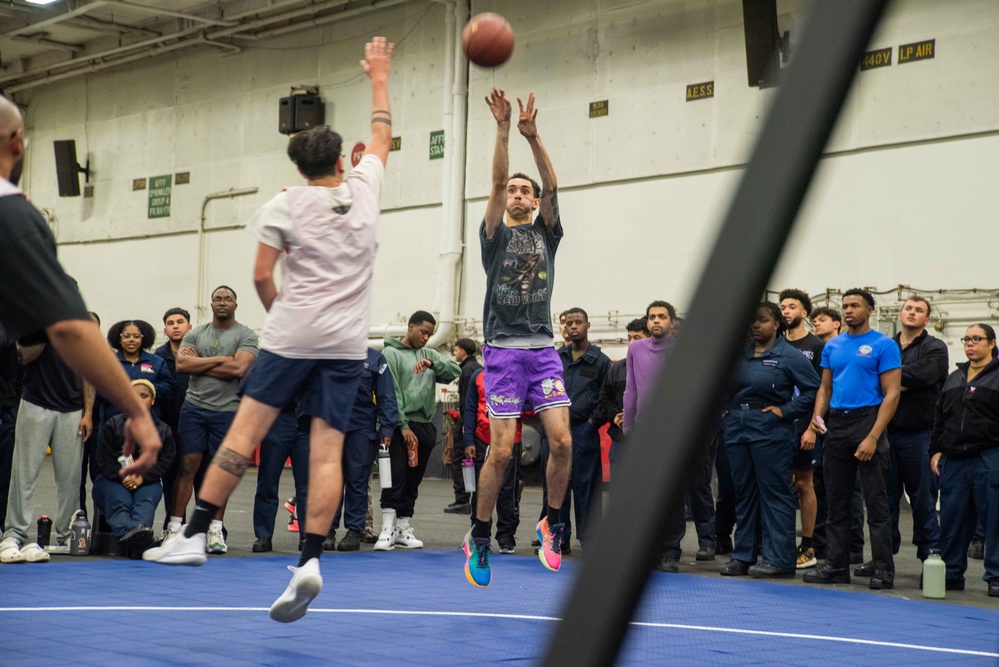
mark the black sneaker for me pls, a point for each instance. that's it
(736, 568)
(669, 564)
(768, 571)
(865, 570)
(262, 545)
(977, 549)
(824, 574)
(135, 542)
(507, 548)
(351, 541)
(535, 543)
(458, 508)
(705, 553)
(329, 544)
(994, 588)
(723, 545)
(955, 584)
(882, 580)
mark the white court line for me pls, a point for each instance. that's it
(528, 617)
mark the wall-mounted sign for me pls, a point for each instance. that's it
(598, 109)
(875, 59)
(159, 196)
(396, 144)
(88, 191)
(182, 178)
(700, 91)
(356, 153)
(909, 53)
(437, 145)
(138, 184)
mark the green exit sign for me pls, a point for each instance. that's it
(437, 145)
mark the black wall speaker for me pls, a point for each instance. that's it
(67, 168)
(300, 112)
(762, 42)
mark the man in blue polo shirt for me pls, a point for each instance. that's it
(861, 384)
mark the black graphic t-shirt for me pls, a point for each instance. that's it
(810, 346)
(520, 272)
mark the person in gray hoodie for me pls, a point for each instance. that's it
(415, 435)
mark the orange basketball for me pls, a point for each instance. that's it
(487, 40)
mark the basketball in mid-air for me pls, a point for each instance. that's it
(487, 40)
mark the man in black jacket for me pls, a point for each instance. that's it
(964, 450)
(924, 369)
(464, 354)
(584, 369)
(612, 390)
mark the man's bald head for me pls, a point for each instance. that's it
(11, 141)
(10, 118)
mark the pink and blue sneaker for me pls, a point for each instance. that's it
(477, 560)
(550, 552)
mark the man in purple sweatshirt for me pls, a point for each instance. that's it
(645, 360)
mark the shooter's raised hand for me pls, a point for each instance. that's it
(499, 105)
(377, 57)
(528, 128)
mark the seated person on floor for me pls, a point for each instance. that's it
(129, 503)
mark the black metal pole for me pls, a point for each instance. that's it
(654, 474)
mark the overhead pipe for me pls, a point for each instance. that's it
(453, 180)
(323, 20)
(202, 264)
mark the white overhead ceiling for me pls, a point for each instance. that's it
(42, 44)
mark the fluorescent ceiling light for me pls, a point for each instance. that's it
(41, 2)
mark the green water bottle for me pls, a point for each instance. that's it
(934, 576)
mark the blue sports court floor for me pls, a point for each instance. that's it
(415, 608)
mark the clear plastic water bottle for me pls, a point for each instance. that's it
(934, 576)
(384, 469)
(822, 425)
(79, 535)
(468, 474)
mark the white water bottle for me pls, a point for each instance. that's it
(468, 474)
(934, 576)
(384, 469)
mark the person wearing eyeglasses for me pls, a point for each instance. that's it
(964, 452)
(131, 340)
(216, 356)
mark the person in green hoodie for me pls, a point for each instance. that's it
(415, 372)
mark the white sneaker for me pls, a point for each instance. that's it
(405, 538)
(304, 587)
(170, 532)
(216, 542)
(10, 551)
(35, 554)
(386, 541)
(179, 550)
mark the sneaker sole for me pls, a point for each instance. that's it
(290, 611)
(466, 549)
(390, 547)
(406, 546)
(176, 559)
(807, 564)
(218, 551)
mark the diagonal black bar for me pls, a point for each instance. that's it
(653, 476)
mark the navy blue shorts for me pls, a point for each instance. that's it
(807, 459)
(200, 430)
(324, 388)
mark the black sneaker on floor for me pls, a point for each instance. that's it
(351, 541)
(827, 575)
(865, 570)
(262, 545)
(882, 580)
(736, 568)
(535, 543)
(723, 545)
(994, 588)
(705, 553)
(507, 548)
(669, 564)
(329, 544)
(458, 508)
(977, 549)
(135, 542)
(768, 571)
(955, 585)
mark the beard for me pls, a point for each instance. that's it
(15, 171)
(794, 323)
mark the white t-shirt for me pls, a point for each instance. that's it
(323, 306)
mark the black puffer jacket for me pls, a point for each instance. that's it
(967, 413)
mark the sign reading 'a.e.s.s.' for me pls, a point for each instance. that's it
(437, 145)
(876, 59)
(599, 109)
(924, 50)
(159, 196)
(700, 91)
